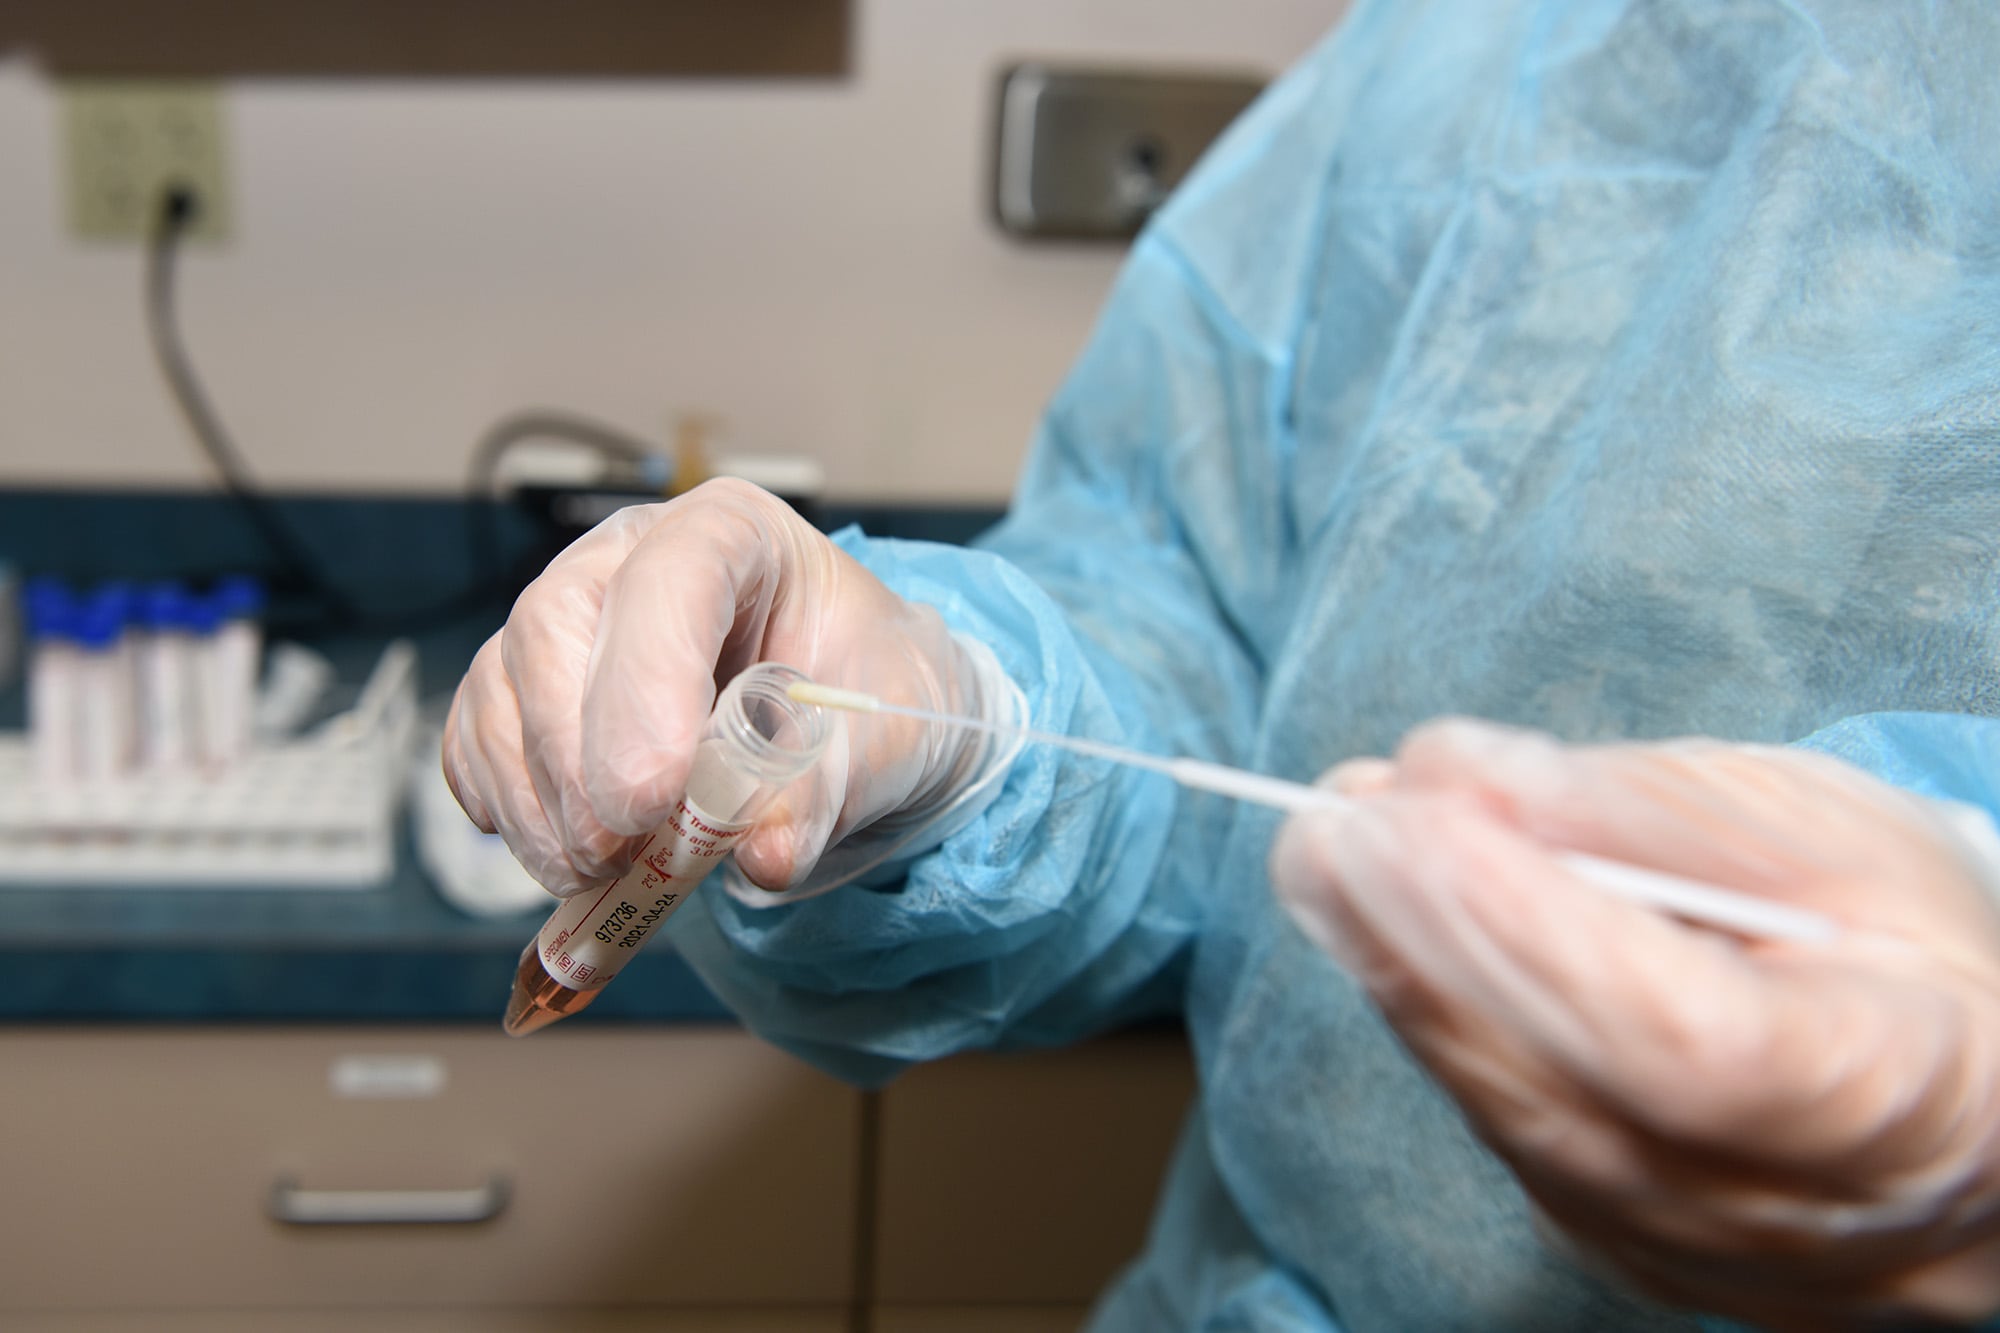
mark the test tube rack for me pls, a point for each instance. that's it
(318, 811)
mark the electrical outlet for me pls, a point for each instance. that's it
(125, 143)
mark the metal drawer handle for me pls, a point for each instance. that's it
(303, 1207)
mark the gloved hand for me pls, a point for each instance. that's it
(573, 732)
(1802, 1136)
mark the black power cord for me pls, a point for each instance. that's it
(492, 574)
(178, 206)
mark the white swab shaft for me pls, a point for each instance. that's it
(1689, 899)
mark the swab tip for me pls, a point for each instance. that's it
(827, 696)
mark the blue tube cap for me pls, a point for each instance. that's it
(201, 616)
(164, 607)
(99, 622)
(50, 610)
(120, 599)
(238, 597)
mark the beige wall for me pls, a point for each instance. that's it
(811, 262)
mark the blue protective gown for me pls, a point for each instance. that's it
(1613, 367)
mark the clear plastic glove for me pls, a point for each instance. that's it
(574, 729)
(1803, 1136)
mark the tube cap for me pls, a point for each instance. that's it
(121, 600)
(238, 597)
(50, 610)
(163, 606)
(98, 622)
(201, 615)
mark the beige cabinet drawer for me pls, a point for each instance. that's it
(553, 1319)
(566, 1319)
(641, 1166)
(979, 1319)
(1025, 1179)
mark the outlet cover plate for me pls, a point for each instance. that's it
(125, 142)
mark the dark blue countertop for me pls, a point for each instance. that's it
(397, 953)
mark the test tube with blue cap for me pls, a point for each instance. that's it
(120, 601)
(205, 704)
(53, 655)
(166, 678)
(102, 709)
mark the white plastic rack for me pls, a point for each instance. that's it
(319, 811)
